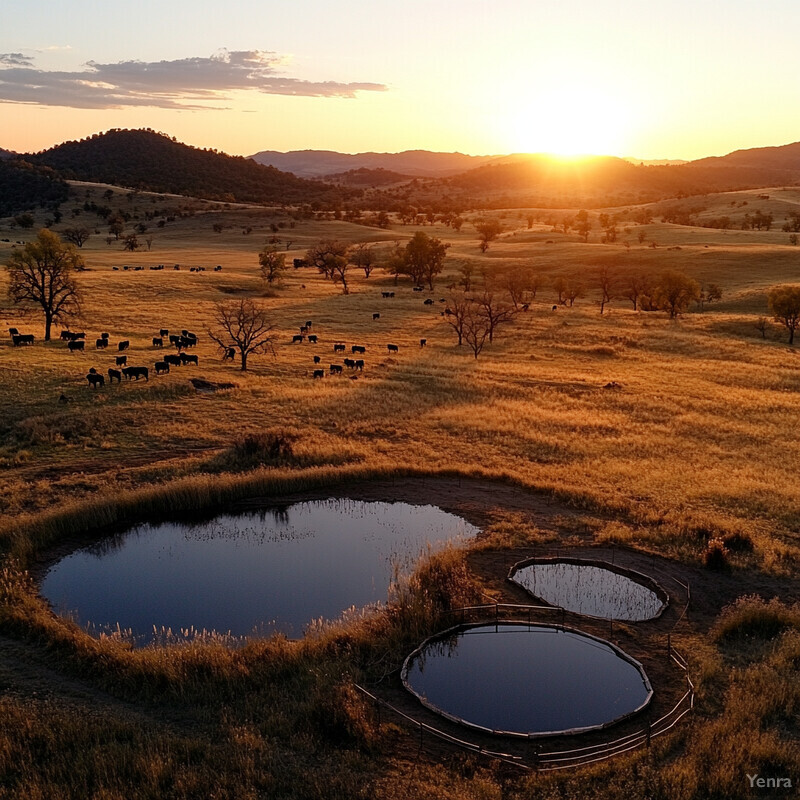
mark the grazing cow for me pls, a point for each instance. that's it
(136, 372)
(336, 368)
(423, 342)
(298, 337)
(121, 360)
(338, 348)
(174, 360)
(163, 333)
(447, 312)
(230, 354)
(158, 341)
(419, 288)
(124, 345)
(319, 373)
(23, 338)
(189, 359)
(317, 359)
(358, 348)
(66, 336)
(114, 373)
(312, 337)
(393, 348)
(161, 366)
(359, 364)
(95, 380)
(177, 266)
(429, 302)
(304, 329)
(218, 268)
(385, 294)
(555, 308)
(348, 362)
(100, 344)
(75, 345)
(376, 316)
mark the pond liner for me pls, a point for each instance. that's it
(445, 634)
(638, 577)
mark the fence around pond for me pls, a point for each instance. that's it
(551, 760)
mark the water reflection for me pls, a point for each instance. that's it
(526, 679)
(268, 570)
(590, 590)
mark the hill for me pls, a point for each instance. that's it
(24, 187)
(367, 177)
(146, 160)
(418, 163)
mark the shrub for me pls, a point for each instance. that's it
(752, 617)
(715, 556)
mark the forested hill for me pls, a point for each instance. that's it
(24, 187)
(146, 160)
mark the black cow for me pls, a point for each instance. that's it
(161, 366)
(423, 342)
(360, 364)
(136, 372)
(338, 348)
(376, 316)
(317, 359)
(163, 333)
(174, 360)
(385, 294)
(555, 308)
(22, 339)
(105, 336)
(348, 362)
(158, 341)
(189, 359)
(308, 323)
(319, 373)
(101, 344)
(218, 268)
(229, 354)
(428, 302)
(312, 337)
(419, 288)
(121, 361)
(95, 380)
(336, 369)
(75, 345)
(393, 348)
(298, 338)
(123, 345)
(114, 373)
(358, 348)
(304, 329)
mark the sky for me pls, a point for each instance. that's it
(673, 79)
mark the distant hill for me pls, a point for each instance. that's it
(417, 163)
(144, 159)
(367, 177)
(6, 154)
(24, 187)
(784, 157)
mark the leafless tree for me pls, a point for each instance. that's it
(331, 258)
(364, 258)
(606, 278)
(495, 310)
(476, 329)
(636, 285)
(243, 325)
(456, 311)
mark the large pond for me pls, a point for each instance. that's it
(526, 679)
(258, 572)
(588, 589)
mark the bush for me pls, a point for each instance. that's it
(715, 556)
(752, 617)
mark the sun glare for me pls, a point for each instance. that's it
(567, 124)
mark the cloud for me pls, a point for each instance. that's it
(188, 83)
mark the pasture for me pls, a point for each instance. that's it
(653, 433)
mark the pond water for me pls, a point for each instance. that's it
(590, 590)
(257, 572)
(526, 679)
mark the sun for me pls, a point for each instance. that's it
(566, 123)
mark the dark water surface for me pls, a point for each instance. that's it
(586, 589)
(526, 679)
(274, 569)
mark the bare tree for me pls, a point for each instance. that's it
(606, 279)
(76, 236)
(331, 258)
(364, 258)
(476, 329)
(495, 311)
(244, 326)
(149, 242)
(456, 311)
(636, 285)
(42, 274)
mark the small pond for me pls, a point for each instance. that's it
(590, 590)
(526, 679)
(256, 572)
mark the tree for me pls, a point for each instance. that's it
(488, 229)
(476, 329)
(709, 294)
(636, 285)
(273, 264)
(364, 258)
(25, 220)
(466, 270)
(76, 236)
(574, 290)
(455, 313)
(674, 292)
(41, 274)
(130, 242)
(494, 310)
(607, 284)
(784, 303)
(424, 258)
(244, 326)
(330, 257)
(583, 225)
(116, 226)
